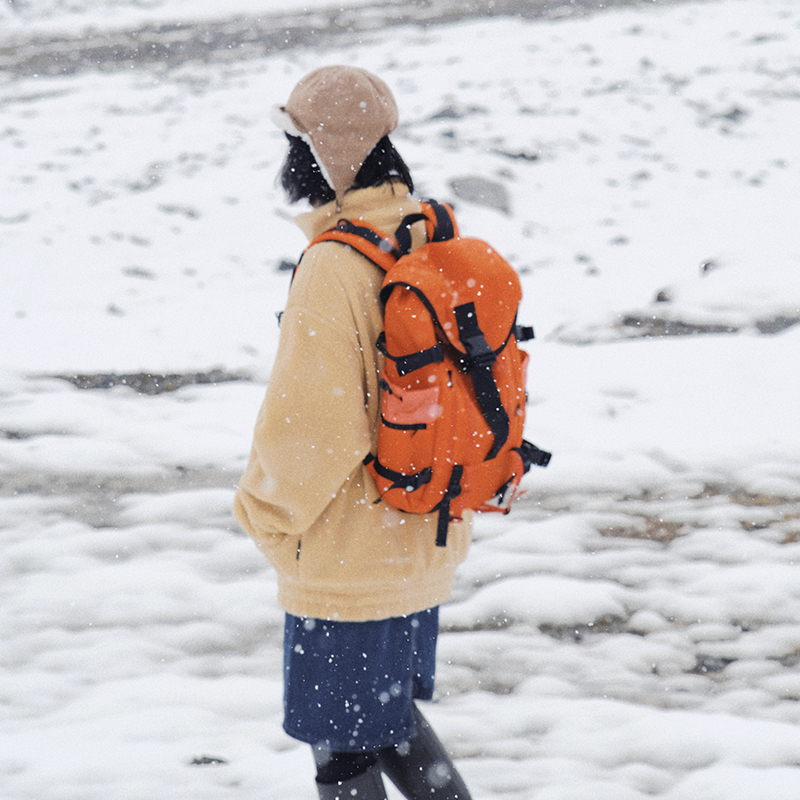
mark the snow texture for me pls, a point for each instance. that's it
(632, 629)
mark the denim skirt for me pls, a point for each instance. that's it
(349, 686)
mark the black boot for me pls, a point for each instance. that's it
(365, 786)
(421, 768)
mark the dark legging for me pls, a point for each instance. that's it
(333, 767)
(420, 768)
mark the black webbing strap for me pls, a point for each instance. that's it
(531, 455)
(399, 480)
(453, 490)
(523, 333)
(444, 229)
(378, 249)
(479, 361)
(368, 235)
(403, 233)
(397, 426)
(412, 361)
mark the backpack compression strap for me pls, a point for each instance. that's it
(532, 456)
(412, 361)
(399, 479)
(480, 358)
(413, 482)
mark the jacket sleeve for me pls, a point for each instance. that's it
(313, 429)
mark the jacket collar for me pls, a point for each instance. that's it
(380, 206)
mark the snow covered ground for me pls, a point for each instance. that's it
(632, 630)
(48, 16)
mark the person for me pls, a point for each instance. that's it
(360, 582)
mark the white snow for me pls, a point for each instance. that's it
(632, 629)
(80, 16)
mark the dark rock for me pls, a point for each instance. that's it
(482, 192)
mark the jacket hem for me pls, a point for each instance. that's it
(304, 601)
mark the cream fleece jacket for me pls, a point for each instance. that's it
(305, 497)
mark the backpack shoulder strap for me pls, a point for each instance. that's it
(382, 250)
(440, 225)
(370, 242)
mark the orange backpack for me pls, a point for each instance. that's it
(453, 385)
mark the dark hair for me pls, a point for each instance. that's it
(302, 178)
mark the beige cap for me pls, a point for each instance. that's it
(341, 113)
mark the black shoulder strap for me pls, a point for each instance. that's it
(444, 228)
(368, 235)
(380, 250)
(403, 233)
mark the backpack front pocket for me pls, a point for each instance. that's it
(409, 409)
